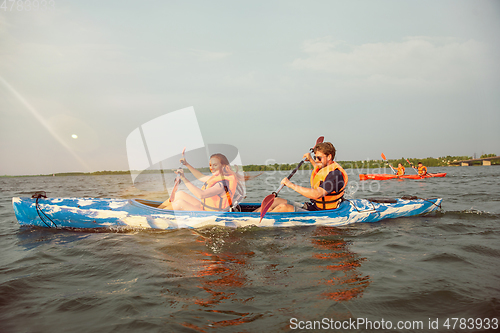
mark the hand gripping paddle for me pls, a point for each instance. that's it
(385, 159)
(177, 180)
(269, 200)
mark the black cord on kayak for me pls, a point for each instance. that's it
(412, 197)
(37, 196)
(428, 200)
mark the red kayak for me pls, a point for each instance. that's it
(384, 176)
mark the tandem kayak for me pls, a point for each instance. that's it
(384, 176)
(91, 213)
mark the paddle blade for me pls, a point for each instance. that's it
(266, 204)
(320, 139)
(383, 156)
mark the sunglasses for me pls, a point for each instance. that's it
(318, 158)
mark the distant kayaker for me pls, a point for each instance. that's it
(401, 170)
(217, 192)
(328, 182)
(422, 169)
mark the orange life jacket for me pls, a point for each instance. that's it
(222, 201)
(318, 176)
(401, 171)
(422, 170)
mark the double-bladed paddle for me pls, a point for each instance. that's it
(385, 159)
(268, 200)
(177, 180)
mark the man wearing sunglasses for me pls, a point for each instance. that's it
(328, 182)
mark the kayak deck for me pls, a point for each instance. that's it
(85, 213)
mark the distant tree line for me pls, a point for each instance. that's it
(371, 164)
(276, 167)
(363, 164)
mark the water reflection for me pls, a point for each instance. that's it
(346, 283)
(33, 237)
(306, 272)
(221, 273)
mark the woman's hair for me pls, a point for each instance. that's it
(222, 158)
(326, 148)
(226, 167)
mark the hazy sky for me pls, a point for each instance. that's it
(406, 78)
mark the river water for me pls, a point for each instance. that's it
(402, 275)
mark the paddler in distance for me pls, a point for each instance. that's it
(401, 170)
(422, 169)
(328, 182)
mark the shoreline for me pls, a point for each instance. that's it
(372, 164)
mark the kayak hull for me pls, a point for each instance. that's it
(388, 176)
(91, 213)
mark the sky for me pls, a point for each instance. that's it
(404, 78)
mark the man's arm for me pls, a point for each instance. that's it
(334, 182)
(310, 193)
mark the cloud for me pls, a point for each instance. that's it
(415, 59)
(49, 58)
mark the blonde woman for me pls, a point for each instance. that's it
(217, 192)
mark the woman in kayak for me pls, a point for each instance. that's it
(401, 170)
(328, 182)
(217, 192)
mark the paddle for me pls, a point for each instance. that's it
(412, 166)
(268, 200)
(228, 196)
(385, 159)
(177, 180)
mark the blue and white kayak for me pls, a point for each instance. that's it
(85, 213)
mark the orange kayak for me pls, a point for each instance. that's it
(384, 176)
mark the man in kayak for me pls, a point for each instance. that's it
(328, 182)
(401, 170)
(422, 169)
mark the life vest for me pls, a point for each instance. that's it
(422, 170)
(222, 201)
(401, 171)
(318, 176)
